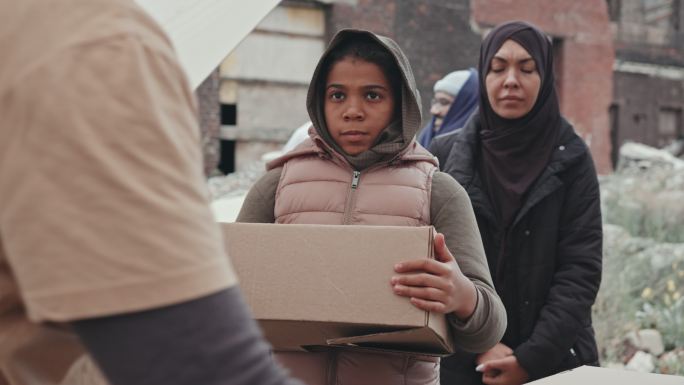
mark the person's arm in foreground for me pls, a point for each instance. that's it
(458, 281)
(208, 341)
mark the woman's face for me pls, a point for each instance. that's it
(512, 81)
(359, 104)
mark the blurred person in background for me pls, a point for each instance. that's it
(535, 193)
(455, 98)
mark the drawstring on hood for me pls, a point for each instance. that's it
(394, 138)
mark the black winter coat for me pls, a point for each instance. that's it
(551, 267)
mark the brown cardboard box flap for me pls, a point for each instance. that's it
(302, 335)
(419, 340)
(307, 284)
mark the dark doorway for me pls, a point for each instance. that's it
(227, 160)
(614, 114)
(227, 154)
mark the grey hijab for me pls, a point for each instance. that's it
(395, 137)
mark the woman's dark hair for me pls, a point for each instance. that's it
(369, 50)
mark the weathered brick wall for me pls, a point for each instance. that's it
(638, 112)
(659, 51)
(374, 15)
(436, 36)
(210, 120)
(586, 83)
(636, 40)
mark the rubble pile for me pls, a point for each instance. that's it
(645, 193)
(237, 183)
(639, 312)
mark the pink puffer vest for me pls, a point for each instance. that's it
(319, 186)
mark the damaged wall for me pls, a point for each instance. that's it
(584, 58)
(436, 36)
(649, 71)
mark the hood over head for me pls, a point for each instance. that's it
(400, 133)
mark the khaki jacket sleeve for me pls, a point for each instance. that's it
(259, 203)
(452, 215)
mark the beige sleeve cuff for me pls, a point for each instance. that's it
(452, 215)
(481, 331)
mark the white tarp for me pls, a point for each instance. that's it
(205, 31)
(590, 375)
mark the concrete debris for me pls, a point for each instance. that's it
(236, 184)
(649, 340)
(672, 362)
(636, 156)
(644, 195)
(641, 362)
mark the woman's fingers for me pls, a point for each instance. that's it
(433, 306)
(423, 280)
(428, 293)
(431, 284)
(424, 265)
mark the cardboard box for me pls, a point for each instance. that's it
(315, 285)
(590, 375)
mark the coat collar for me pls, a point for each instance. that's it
(464, 152)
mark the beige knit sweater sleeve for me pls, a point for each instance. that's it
(452, 215)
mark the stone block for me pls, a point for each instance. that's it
(641, 362)
(649, 340)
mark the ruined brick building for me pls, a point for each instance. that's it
(648, 77)
(620, 66)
